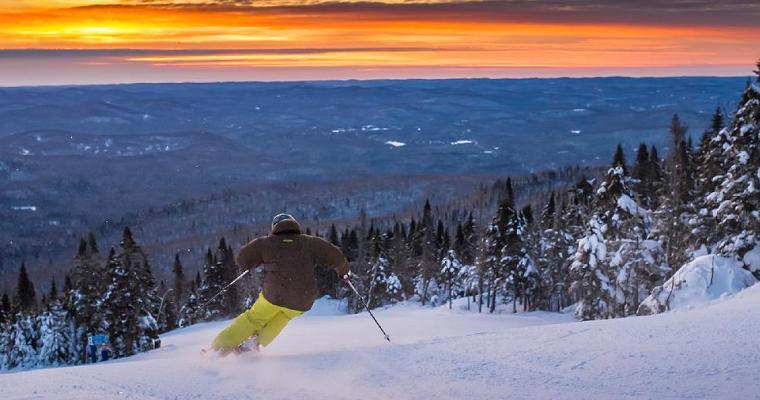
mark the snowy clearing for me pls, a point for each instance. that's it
(704, 353)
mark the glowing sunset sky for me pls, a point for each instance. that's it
(84, 41)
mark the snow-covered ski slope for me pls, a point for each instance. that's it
(711, 352)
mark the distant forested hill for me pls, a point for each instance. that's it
(186, 162)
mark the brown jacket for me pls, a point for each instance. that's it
(289, 259)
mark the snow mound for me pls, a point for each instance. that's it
(326, 306)
(752, 259)
(705, 279)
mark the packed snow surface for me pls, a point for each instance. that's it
(704, 279)
(703, 353)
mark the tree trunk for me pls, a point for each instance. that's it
(492, 296)
(480, 293)
(514, 299)
(424, 291)
(449, 292)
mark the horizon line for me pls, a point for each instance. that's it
(276, 81)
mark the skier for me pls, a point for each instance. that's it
(289, 259)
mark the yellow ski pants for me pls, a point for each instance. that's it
(263, 319)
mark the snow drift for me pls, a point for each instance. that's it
(704, 279)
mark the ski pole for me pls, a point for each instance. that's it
(224, 289)
(367, 308)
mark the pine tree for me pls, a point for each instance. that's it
(467, 249)
(332, 237)
(450, 269)
(675, 208)
(225, 259)
(502, 248)
(635, 262)
(131, 300)
(5, 309)
(399, 257)
(548, 213)
(57, 336)
(656, 176)
(167, 311)
(645, 175)
(190, 312)
(85, 296)
(619, 159)
(25, 293)
(214, 279)
(68, 285)
(384, 285)
(734, 202)
(24, 340)
(178, 287)
(5, 338)
(488, 262)
(554, 250)
(424, 254)
(53, 291)
(590, 280)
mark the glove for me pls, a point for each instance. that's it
(346, 277)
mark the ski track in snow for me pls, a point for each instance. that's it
(710, 352)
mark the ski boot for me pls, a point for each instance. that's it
(250, 345)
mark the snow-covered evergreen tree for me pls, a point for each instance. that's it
(167, 311)
(589, 269)
(213, 282)
(225, 259)
(510, 225)
(5, 333)
(24, 340)
(489, 263)
(735, 201)
(5, 308)
(450, 268)
(190, 312)
(676, 208)
(425, 253)
(130, 299)
(635, 264)
(555, 248)
(57, 337)
(84, 300)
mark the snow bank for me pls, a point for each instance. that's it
(700, 281)
(327, 306)
(752, 259)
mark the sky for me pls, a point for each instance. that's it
(45, 42)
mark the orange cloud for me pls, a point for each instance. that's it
(351, 38)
